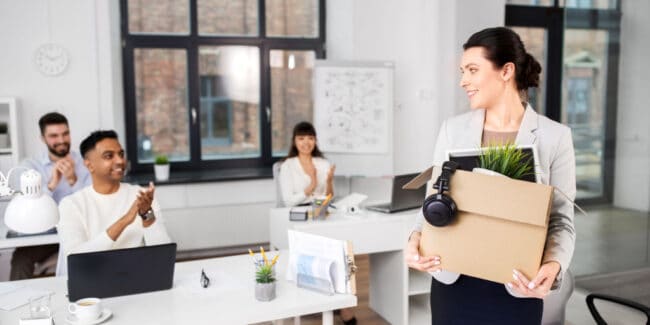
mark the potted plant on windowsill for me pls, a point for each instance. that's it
(505, 160)
(161, 168)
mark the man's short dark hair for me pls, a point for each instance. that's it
(90, 142)
(51, 118)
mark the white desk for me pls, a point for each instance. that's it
(6, 243)
(229, 299)
(383, 236)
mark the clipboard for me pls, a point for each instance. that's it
(321, 264)
(351, 269)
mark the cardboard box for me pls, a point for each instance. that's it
(500, 226)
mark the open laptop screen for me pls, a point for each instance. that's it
(121, 271)
(406, 199)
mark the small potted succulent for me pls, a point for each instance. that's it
(506, 160)
(264, 277)
(161, 168)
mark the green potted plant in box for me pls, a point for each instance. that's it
(161, 168)
(506, 160)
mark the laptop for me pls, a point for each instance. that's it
(401, 199)
(121, 272)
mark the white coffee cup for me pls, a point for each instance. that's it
(86, 309)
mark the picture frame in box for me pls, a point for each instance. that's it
(468, 159)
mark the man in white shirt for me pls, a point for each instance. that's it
(109, 214)
(63, 173)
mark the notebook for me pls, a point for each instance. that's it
(121, 272)
(401, 199)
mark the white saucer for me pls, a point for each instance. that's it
(72, 319)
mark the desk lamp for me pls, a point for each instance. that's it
(30, 211)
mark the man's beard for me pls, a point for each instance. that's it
(62, 153)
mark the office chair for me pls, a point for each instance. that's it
(555, 302)
(279, 202)
(614, 307)
(46, 267)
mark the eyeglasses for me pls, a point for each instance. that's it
(205, 281)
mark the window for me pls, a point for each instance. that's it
(578, 47)
(217, 83)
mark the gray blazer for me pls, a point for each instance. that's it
(556, 162)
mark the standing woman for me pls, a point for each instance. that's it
(305, 173)
(496, 72)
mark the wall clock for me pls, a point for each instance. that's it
(51, 59)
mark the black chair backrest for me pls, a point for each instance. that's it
(628, 303)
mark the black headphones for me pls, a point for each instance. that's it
(439, 209)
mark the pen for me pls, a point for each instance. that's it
(266, 260)
(275, 259)
(323, 204)
(250, 252)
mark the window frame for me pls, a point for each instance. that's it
(556, 20)
(191, 44)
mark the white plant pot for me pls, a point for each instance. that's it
(161, 172)
(265, 291)
(487, 172)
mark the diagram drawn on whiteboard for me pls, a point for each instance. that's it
(352, 108)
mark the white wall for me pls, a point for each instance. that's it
(632, 175)
(81, 93)
(422, 37)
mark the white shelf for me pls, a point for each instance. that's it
(419, 283)
(419, 310)
(9, 152)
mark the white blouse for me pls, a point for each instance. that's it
(294, 180)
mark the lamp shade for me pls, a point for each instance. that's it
(31, 211)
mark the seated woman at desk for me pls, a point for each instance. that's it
(305, 173)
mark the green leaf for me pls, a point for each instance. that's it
(507, 160)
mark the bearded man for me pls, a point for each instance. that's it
(63, 173)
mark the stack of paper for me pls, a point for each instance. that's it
(14, 295)
(315, 273)
(320, 257)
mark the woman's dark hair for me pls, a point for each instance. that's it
(303, 128)
(502, 45)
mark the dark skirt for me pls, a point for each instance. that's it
(474, 301)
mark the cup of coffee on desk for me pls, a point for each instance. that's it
(86, 309)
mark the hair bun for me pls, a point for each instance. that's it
(530, 72)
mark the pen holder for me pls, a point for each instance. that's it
(319, 208)
(265, 291)
(264, 282)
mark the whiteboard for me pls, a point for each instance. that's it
(353, 107)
